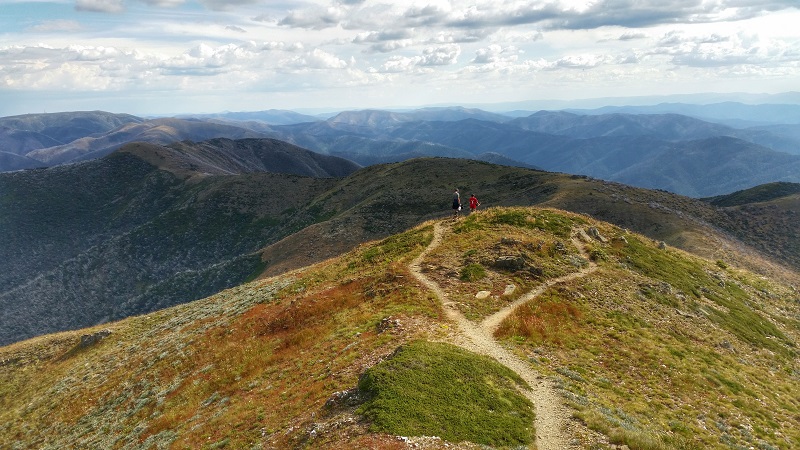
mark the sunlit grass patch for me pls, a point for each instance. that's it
(729, 306)
(550, 318)
(557, 223)
(434, 389)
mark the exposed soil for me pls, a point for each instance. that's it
(552, 416)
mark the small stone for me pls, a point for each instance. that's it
(91, 339)
(481, 295)
(595, 233)
(510, 288)
(583, 236)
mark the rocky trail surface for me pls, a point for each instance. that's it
(552, 416)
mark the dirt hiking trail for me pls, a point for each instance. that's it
(552, 416)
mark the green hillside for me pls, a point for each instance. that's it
(644, 345)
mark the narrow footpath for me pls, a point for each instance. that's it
(552, 416)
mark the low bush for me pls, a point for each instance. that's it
(436, 389)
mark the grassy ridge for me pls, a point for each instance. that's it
(656, 349)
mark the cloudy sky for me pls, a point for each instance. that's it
(192, 56)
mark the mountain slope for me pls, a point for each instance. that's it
(634, 149)
(93, 242)
(733, 113)
(156, 131)
(10, 162)
(653, 349)
(763, 193)
(771, 211)
(230, 157)
(377, 119)
(659, 126)
(25, 133)
(706, 167)
(98, 241)
(270, 116)
(637, 150)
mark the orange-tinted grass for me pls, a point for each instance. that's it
(275, 362)
(548, 318)
(301, 313)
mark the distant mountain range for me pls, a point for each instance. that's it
(734, 114)
(669, 151)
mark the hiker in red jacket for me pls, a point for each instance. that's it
(473, 203)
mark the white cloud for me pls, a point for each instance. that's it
(495, 53)
(319, 59)
(104, 6)
(584, 61)
(397, 64)
(381, 36)
(306, 45)
(442, 55)
(630, 36)
(226, 5)
(386, 47)
(47, 67)
(316, 18)
(384, 41)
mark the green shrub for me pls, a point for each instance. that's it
(472, 272)
(436, 389)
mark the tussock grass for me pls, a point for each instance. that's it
(472, 272)
(467, 261)
(550, 318)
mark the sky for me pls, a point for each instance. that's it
(162, 57)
